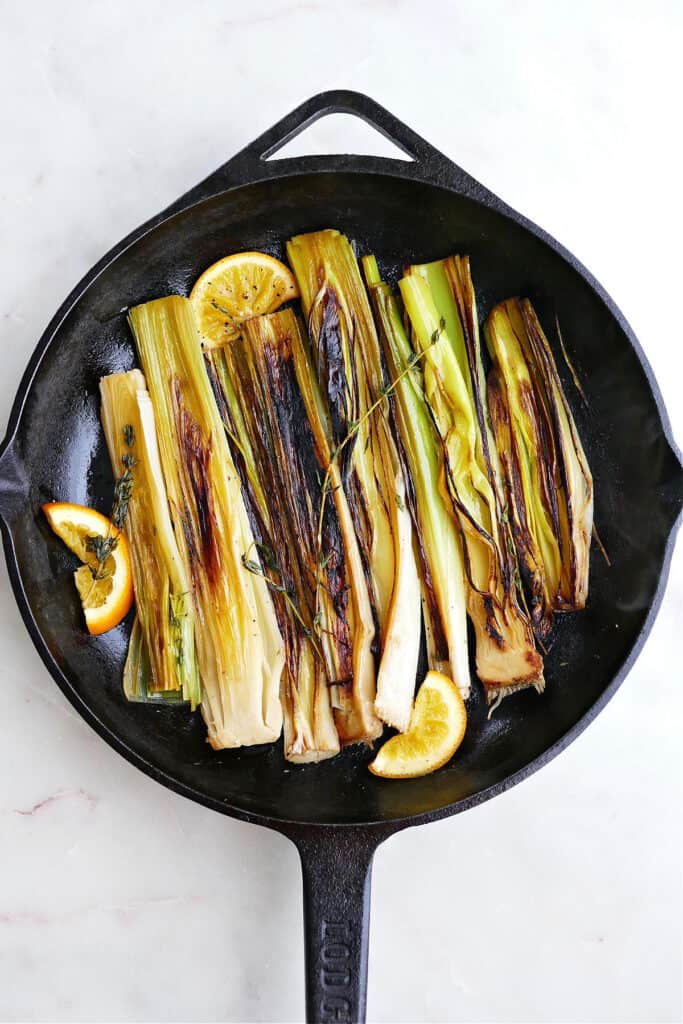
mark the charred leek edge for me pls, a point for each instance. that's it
(257, 396)
(436, 535)
(164, 609)
(346, 356)
(441, 295)
(573, 480)
(527, 453)
(137, 674)
(353, 699)
(239, 648)
(349, 366)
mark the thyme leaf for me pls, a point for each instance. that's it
(102, 547)
(267, 557)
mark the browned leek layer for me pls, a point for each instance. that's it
(165, 613)
(255, 383)
(318, 564)
(436, 534)
(353, 699)
(348, 362)
(239, 648)
(548, 481)
(439, 299)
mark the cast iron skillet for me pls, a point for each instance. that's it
(336, 812)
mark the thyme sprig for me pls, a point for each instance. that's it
(102, 547)
(268, 558)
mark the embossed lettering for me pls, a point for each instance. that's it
(335, 1008)
(336, 979)
(337, 951)
(335, 974)
(335, 931)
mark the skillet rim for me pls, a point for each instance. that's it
(11, 473)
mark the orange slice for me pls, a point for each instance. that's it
(106, 592)
(237, 288)
(436, 730)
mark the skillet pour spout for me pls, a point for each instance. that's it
(402, 210)
(13, 484)
(672, 487)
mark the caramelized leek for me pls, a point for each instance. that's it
(436, 535)
(351, 668)
(165, 623)
(348, 362)
(239, 648)
(548, 481)
(523, 451)
(259, 400)
(439, 299)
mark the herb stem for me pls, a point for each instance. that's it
(251, 566)
(102, 547)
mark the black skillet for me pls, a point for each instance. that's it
(336, 812)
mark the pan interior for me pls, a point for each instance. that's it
(61, 445)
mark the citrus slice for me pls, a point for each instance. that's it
(437, 726)
(106, 591)
(237, 288)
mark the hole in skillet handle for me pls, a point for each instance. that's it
(322, 138)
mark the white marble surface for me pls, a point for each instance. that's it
(559, 901)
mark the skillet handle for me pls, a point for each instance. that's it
(336, 865)
(254, 163)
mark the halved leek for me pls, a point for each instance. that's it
(348, 362)
(439, 299)
(436, 534)
(351, 670)
(523, 451)
(165, 623)
(273, 449)
(239, 648)
(548, 480)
